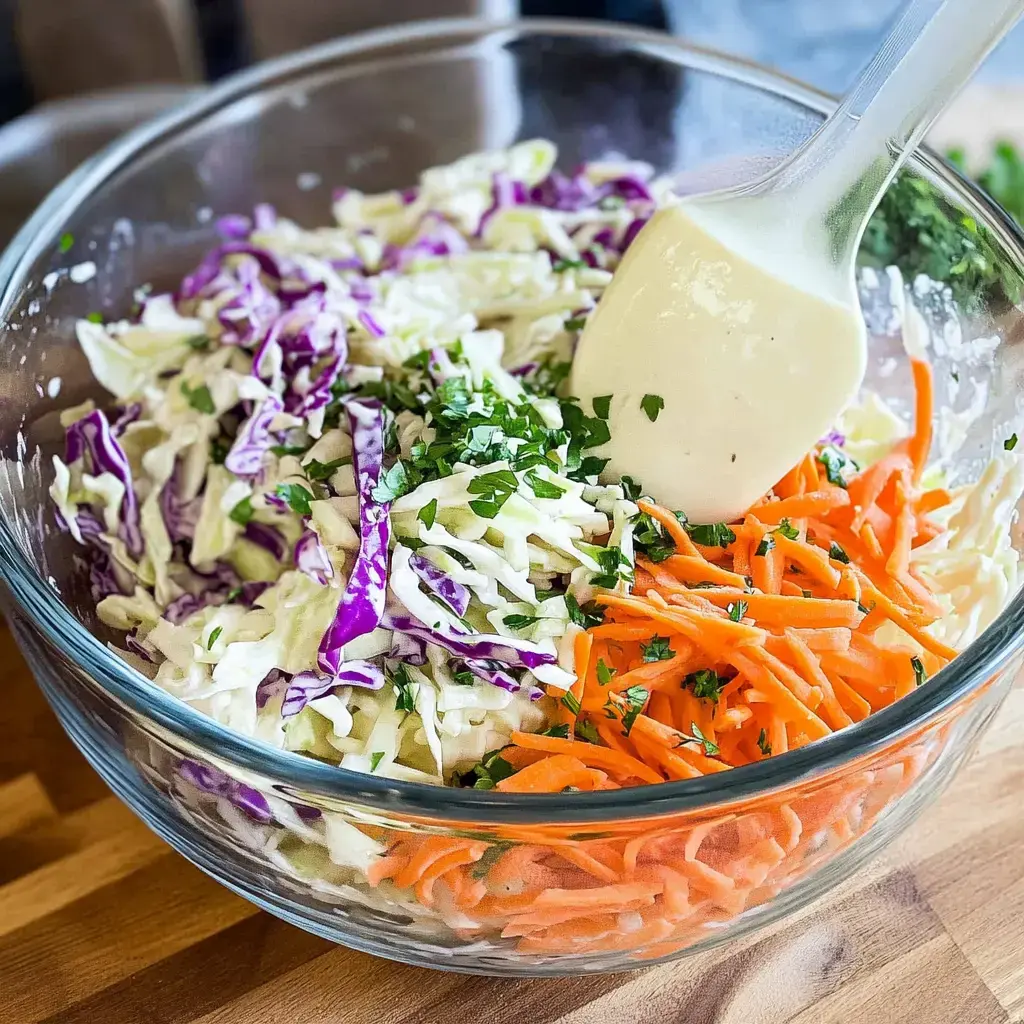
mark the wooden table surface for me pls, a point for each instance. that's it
(101, 923)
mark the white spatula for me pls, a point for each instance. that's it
(730, 338)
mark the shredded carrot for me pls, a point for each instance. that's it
(720, 657)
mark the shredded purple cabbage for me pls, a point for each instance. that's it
(509, 652)
(438, 582)
(253, 441)
(311, 558)
(362, 605)
(266, 537)
(307, 686)
(91, 435)
(491, 672)
(210, 780)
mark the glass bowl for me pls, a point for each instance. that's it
(304, 839)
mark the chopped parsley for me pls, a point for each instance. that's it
(587, 616)
(652, 406)
(543, 488)
(395, 482)
(657, 649)
(289, 449)
(736, 610)
(1010, 443)
(631, 488)
(834, 463)
(604, 673)
(521, 621)
(560, 266)
(710, 746)
(405, 695)
(575, 323)
(787, 529)
(636, 700)
(375, 759)
(835, 551)
(242, 512)
(297, 497)
(199, 342)
(712, 535)
(199, 398)
(762, 743)
(611, 560)
(213, 637)
(649, 539)
(491, 856)
(559, 732)
(602, 406)
(94, 317)
(706, 684)
(67, 240)
(428, 513)
(316, 470)
(920, 676)
(494, 489)
(571, 702)
(490, 771)
(587, 732)
(766, 545)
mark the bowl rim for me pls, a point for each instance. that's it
(287, 771)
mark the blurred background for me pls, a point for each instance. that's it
(76, 73)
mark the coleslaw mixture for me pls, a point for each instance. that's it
(343, 505)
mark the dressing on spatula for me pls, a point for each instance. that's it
(731, 338)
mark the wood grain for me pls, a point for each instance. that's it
(99, 921)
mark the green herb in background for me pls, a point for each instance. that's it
(916, 229)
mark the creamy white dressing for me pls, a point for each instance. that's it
(752, 368)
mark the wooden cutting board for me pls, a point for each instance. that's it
(101, 923)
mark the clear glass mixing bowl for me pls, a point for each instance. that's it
(371, 112)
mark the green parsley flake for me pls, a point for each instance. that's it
(559, 732)
(711, 748)
(543, 488)
(1010, 443)
(736, 610)
(920, 676)
(575, 323)
(657, 649)
(375, 759)
(317, 470)
(67, 240)
(560, 266)
(242, 512)
(587, 616)
(712, 535)
(604, 673)
(636, 700)
(602, 406)
(766, 545)
(836, 552)
(521, 621)
(706, 684)
(762, 743)
(787, 529)
(297, 497)
(199, 342)
(94, 317)
(571, 702)
(428, 513)
(652, 405)
(213, 637)
(587, 732)
(199, 398)
(405, 695)
(395, 482)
